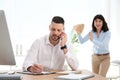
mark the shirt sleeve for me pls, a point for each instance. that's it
(104, 42)
(31, 57)
(83, 39)
(71, 58)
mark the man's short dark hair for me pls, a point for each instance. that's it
(58, 19)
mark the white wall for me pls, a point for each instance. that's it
(115, 28)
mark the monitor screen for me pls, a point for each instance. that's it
(6, 50)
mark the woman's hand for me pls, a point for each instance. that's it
(90, 36)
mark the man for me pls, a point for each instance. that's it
(50, 52)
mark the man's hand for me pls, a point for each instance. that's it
(63, 38)
(63, 41)
(36, 68)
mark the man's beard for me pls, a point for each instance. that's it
(55, 37)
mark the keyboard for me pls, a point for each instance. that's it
(10, 76)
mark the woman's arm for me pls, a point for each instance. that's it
(83, 39)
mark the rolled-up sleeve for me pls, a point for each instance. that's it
(71, 58)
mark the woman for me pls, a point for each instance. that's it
(100, 37)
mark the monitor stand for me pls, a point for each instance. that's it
(9, 74)
(7, 69)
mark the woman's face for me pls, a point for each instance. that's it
(98, 23)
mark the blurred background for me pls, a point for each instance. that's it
(29, 19)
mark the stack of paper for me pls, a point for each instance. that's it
(74, 76)
(69, 72)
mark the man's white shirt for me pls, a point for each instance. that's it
(50, 57)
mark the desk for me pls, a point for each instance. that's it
(51, 76)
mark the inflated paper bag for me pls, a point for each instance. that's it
(78, 28)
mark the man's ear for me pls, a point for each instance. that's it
(63, 28)
(49, 26)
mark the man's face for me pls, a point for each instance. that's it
(55, 31)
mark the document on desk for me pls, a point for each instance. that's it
(42, 73)
(69, 72)
(74, 77)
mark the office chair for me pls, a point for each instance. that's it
(115, 77)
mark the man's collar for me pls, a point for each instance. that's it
(47, 40)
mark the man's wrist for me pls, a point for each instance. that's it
(63, 47)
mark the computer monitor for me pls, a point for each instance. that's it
(6, 50)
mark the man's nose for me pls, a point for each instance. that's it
(56, 32)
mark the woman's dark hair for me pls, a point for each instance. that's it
(104, 27)
(58, 19)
